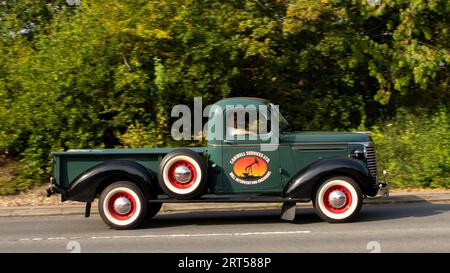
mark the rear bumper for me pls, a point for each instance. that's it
(53, 188)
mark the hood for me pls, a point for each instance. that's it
(307, 137)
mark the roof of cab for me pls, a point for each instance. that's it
(244, 101)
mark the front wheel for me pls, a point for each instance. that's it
(122, 205)
(338, 199)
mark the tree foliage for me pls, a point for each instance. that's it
(415, 150)
(106, 73)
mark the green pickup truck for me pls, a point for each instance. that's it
(334, 170)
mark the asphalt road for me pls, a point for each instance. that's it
(418, 227)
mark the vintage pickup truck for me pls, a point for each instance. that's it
(334, 170)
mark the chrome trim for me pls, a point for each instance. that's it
(285, 144)
(319, 143)
(370, 156)
(319, 148)
(337, 199)
(182, 174)
(122, 205)
(246, 144)
(383, 190)
(367, 133)
(366, 144)
(371, 162)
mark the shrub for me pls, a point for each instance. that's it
(415, 149)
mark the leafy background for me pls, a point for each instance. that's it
(104, 74)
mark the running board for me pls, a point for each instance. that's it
(231, 198)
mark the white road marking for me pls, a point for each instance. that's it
(171, 235)
(203, 234)
(56, 238)
(196, 235)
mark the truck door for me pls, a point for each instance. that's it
(247, 168)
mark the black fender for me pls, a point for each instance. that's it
(303, 184)
(86, 186)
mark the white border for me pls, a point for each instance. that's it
(350, 210)
(117, 221)
(166, 174)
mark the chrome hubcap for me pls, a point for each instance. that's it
(122, 205)
(337, 199)
(182, 174)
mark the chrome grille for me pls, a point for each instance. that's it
(371, 160)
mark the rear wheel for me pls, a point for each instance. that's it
(182, 174)
(122, 205)
(338, 199)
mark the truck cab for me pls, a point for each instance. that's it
(247, 159)
(252, 156)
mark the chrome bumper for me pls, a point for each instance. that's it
(383, 190)
(53, 188)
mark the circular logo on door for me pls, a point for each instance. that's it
(250, 167)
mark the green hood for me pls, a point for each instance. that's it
(307, 137)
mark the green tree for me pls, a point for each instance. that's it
(106, 73)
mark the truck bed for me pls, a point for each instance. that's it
(69, 165)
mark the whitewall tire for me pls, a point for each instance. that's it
(338, 199)
(122, 205)
(182, 174)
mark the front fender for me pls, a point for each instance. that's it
(303, 184)
(84, 188)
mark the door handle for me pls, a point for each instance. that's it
(228, 142)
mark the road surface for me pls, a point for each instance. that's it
(418, 227)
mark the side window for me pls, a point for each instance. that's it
(242, 123)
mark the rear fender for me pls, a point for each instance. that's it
(87, 185)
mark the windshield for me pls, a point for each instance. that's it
(284, 125)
